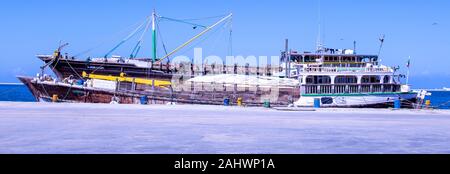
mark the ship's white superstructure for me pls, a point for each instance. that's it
(342, 78)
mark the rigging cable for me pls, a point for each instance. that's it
(68, 63)
(67, 93)
(43, 87)
(162, 40)
(127, 38)
(204, 18)
(183, 21)
(104, 41)
(222, 31)
(203, 40)
(141, 41)
(231, 38)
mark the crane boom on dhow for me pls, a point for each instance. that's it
(195, 37)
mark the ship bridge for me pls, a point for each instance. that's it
(333, 59)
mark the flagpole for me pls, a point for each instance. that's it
(407, 75)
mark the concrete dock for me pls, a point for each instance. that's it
(41, 128)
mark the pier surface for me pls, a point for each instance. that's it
(41, 128)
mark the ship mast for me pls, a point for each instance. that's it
(154, 36)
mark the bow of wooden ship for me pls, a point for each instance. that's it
(153, 91)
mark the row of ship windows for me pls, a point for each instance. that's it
(345, 79)
(332, 59)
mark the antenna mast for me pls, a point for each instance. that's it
(319, 43)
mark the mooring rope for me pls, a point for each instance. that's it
(74, 70)
(43, 87)
(68, 91)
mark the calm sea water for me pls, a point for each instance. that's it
(15, 93)
(20, 93)
(440, 99)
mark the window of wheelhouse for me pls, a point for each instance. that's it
(296, 58)
(366, 60)
(309, 58)
(371, 79)
(346, 80)
(318, 80)
(386, 79)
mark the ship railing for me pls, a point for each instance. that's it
(345, 69)
(348, 88)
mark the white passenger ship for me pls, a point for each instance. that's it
(342, 78)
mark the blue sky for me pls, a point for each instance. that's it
(419, 29)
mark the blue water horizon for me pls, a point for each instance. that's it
(15, 93)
